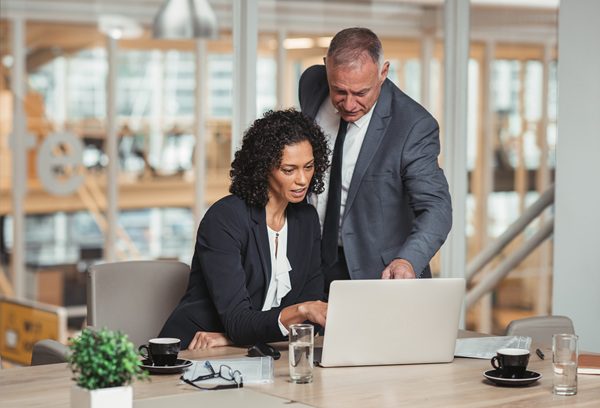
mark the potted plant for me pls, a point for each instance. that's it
(104, 363)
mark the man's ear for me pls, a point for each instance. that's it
(384, 70)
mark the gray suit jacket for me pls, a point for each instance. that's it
(398, 203)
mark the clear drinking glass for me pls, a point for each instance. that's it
(564, 363)
(301, 353)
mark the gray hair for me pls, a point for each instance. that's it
(350, 44)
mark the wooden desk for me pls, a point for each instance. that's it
(458, 384)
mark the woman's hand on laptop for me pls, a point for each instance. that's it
(399, 269)
(315, 312)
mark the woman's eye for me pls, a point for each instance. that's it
(287, 171)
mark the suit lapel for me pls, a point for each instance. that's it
(374, 136)
(262, 242)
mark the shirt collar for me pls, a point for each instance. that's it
(363, 121)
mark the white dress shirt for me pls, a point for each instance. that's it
(280, 284)
(328, 118)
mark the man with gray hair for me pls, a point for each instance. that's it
(386, 210)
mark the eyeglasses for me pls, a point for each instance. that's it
(225, 372)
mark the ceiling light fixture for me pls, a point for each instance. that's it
(298, 43)
(119, 27)
(177, 19)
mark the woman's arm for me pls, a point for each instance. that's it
(308, 308)
(220, 245)
(223, 242)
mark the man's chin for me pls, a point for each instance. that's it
(352, 117)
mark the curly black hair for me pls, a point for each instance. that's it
(262, 148)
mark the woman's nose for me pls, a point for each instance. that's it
(302, 177)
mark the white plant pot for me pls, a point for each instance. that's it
(114, 397)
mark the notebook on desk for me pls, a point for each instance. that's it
(379, 322)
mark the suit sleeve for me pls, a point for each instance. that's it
(220, 243)
(428, 195)
(315, 285)
(302, 89)
(310, 87)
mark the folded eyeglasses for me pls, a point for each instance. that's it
(225, 372)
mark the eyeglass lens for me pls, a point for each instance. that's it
(227, 373)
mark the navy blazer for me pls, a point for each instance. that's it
(231, 271)
(398, 203)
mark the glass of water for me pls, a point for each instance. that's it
(301, 353)
(564, 363)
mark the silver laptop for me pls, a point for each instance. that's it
(377, 322)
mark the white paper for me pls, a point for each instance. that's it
(486, 347)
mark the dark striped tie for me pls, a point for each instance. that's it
(329, 242)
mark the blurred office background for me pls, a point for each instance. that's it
(92, 70)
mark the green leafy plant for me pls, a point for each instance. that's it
(104, 358)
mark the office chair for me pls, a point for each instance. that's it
(135, 297)
(540, 328)
(49, 351)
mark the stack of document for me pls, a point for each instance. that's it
(486, 347)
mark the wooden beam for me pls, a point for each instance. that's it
(6, 288)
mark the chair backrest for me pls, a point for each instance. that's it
(540, 328)
(49, 351)
(135, 297)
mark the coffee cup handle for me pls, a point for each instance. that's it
(496, 361)
(147, 354)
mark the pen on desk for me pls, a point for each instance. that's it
(539, 353)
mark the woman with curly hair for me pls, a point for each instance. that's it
(255, 269)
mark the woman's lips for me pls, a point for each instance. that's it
(298, 193)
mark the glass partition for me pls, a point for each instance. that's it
(511, 152)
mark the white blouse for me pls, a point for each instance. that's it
(280, 284)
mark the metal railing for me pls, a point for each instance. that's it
(492, 278)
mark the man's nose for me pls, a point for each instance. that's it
(349, 103)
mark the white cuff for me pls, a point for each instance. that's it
(284, 331)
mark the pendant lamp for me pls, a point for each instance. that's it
(179, 19)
